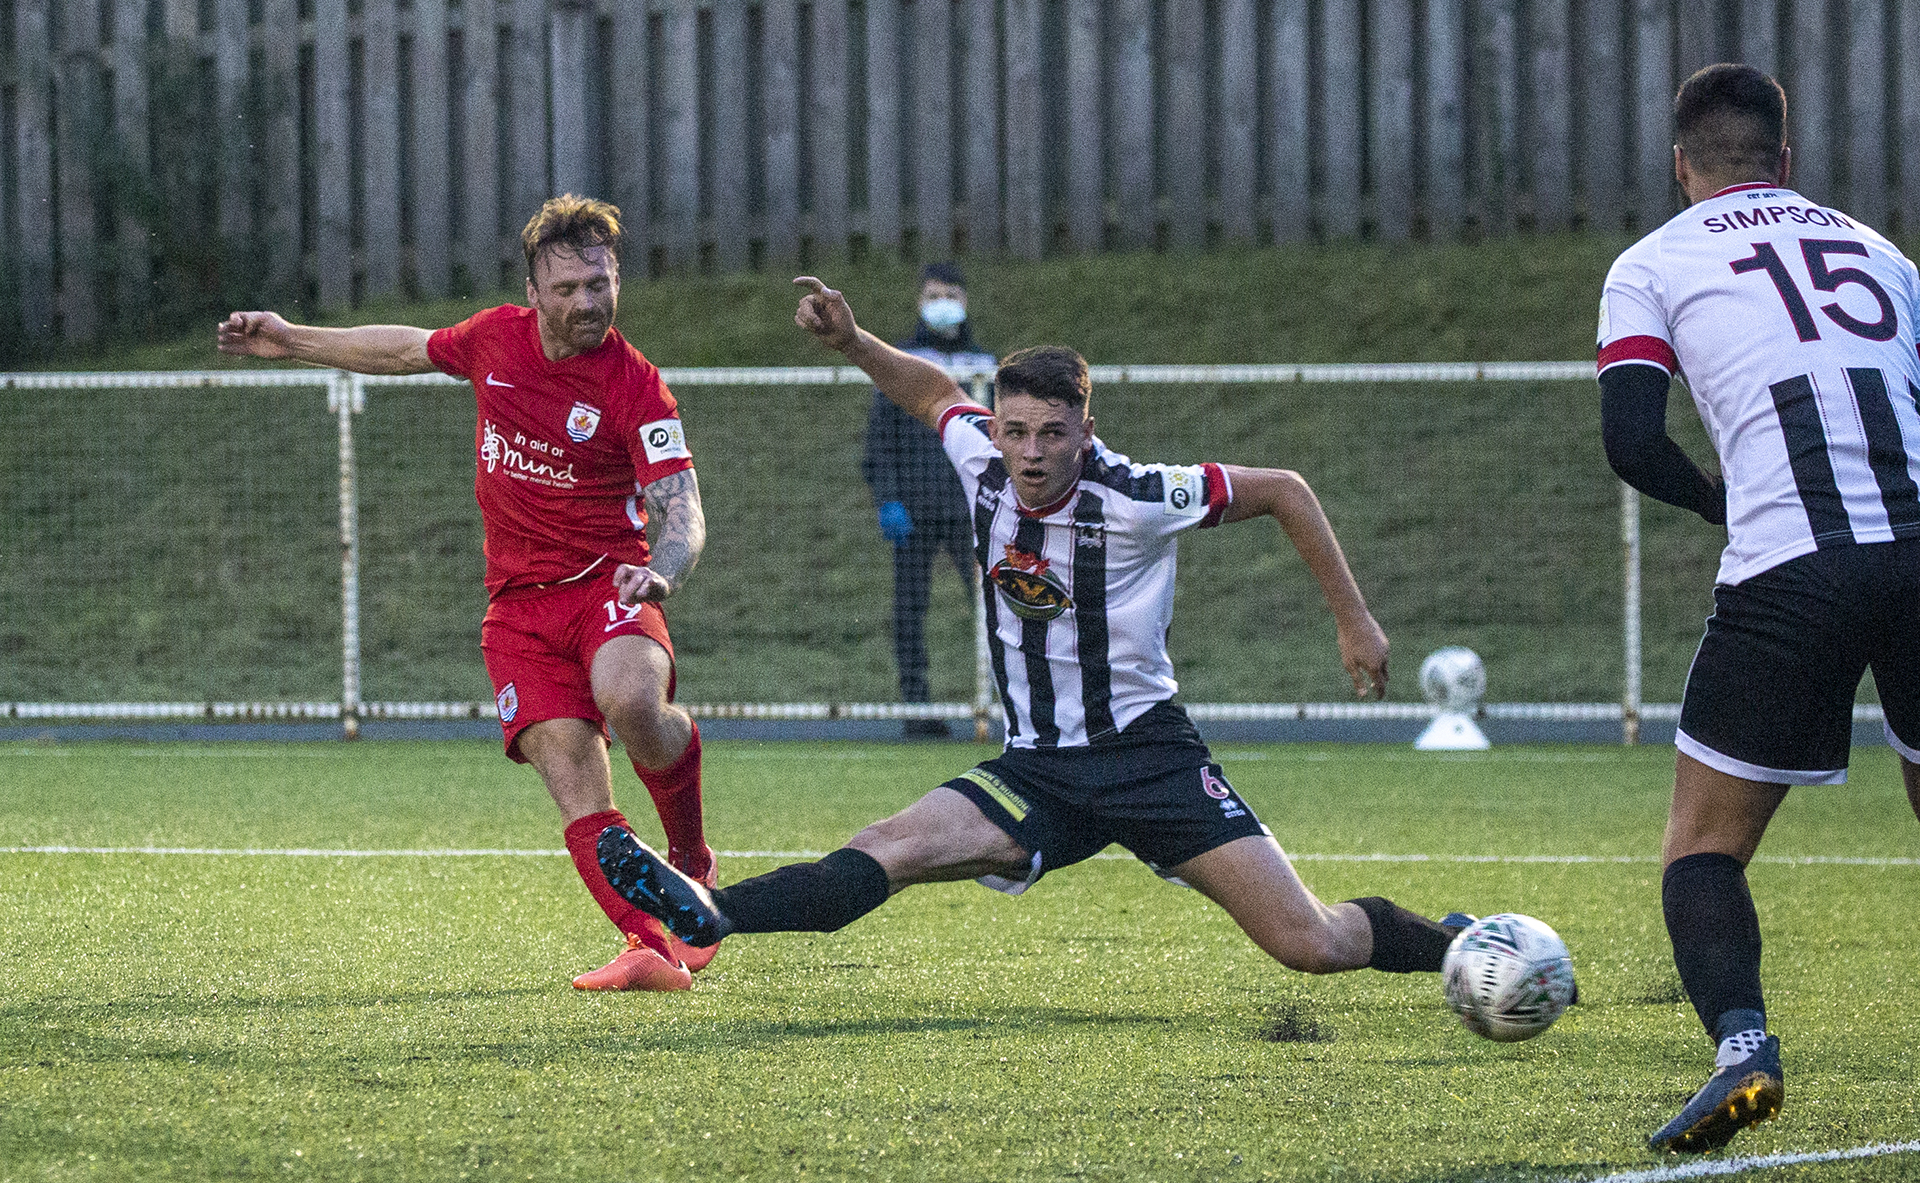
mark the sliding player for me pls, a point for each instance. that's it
(1794, 325)
(1077, 546)
(579, 447)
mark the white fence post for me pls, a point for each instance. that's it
(1630, 614)
(346, 394)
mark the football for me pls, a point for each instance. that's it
(1508, 977)
(1453, 679)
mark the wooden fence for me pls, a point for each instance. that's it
(165, 155)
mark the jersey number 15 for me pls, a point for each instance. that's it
(1825, 279)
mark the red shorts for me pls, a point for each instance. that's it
(539, 645)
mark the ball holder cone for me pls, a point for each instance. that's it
(1452, 731)
(1453, 680)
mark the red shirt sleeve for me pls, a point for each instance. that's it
(947, 415)
(451, 349)
(658, 441)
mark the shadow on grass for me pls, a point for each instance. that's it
(95, 1033)
(1295, 1020)
(748, 1034)
(193, 1006)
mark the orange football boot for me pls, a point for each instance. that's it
(639, 968)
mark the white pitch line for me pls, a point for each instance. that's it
(285, 852)
(1788, 860)
(1758, 1162)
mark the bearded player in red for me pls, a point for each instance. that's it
(579, 448)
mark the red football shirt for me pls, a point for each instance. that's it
(565, 447)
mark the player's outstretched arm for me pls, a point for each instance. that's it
(921, 388)
(1286, 497)
(679, 535)
(367, 349)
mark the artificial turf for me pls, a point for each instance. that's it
(408, 1016)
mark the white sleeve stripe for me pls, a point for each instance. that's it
(1637, 361)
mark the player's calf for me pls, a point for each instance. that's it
(1403, 941)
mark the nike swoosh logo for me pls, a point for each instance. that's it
(492, 381)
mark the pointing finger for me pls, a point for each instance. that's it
(808, 281)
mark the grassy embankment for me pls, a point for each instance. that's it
(168, 545)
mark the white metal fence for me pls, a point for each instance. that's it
(347, 396)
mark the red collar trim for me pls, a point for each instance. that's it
(1048, 510)
(1744, 186)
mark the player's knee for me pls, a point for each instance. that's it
(632, 707)
(1313, 961)
(654, 731)
(1314, 949)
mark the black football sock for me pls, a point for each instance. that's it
(1716, 940)
(806, 897)
(1403, 942)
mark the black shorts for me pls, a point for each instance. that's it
(1770, 695)
(1159, 794)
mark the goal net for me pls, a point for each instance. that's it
(194, 544)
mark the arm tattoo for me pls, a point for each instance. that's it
(679, 526)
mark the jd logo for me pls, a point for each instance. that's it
(659, 438)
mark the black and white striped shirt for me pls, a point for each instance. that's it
(1079, 593)
(1794, 326)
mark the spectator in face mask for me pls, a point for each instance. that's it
(921, 509)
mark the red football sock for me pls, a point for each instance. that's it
(676, 794)
(582, 836)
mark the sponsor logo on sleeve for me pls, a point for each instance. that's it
(664, 440)
(582, 422)
(1030, 589)
(508, 700)
(1184, 492)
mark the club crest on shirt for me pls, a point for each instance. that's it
(1028, 588)
(508, 700)
(582, 422)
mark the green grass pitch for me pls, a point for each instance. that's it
(229, 1016)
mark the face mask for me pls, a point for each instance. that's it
(943, 315)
